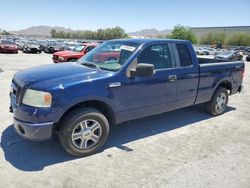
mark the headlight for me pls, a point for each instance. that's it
(61, 58)
(37, 98)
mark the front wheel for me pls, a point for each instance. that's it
(218, 103)
(72, 60)
(83, 132)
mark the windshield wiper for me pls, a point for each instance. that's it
(93, 65)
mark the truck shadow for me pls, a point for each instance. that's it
(34, 156)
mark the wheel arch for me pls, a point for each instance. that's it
(103, 107)
(226, 84)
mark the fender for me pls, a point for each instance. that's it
(225, 77)
(73, 103)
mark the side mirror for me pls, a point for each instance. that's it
(142, 69)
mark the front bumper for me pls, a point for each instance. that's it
(10, 50)
(58, 60)
(34, 131)
(33, 50)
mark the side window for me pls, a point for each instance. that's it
(89, 48)
(184, 55)
(158, 55)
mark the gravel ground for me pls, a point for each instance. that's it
(182, 148)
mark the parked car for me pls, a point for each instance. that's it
(78, 52)
(71, 45)
(248, 58)
(53, 47)
(43, 44)
(31, 47)
(210, 51)
(8, 46)
(21, 44)
(240, 49)
(221, 50)
(79, 101)
(199, 51)
(247, 51)
(229, 55)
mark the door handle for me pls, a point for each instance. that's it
(172, 78)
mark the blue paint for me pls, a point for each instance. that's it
(136, 97)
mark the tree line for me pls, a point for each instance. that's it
(179, 32)
(237, 39)
(100, 34)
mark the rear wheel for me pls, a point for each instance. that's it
(218, 103)
(83, 132)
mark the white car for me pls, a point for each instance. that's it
(210, 51)
(199, 51)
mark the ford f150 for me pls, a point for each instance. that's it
(80, 100)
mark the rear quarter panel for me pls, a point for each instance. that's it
(213, 74)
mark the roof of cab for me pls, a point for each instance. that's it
(148, 40)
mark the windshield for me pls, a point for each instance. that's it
(32, 43)
(79, 48)
(226, 53)
(7, 42)
(110, 55)
(71, 44)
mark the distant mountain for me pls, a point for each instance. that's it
(39, 31)
(44, 31)
(149, 32)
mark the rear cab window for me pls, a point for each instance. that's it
(184, 55)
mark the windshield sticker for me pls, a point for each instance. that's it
(129, 48)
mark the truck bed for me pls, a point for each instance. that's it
(210, 60)
(212, 70)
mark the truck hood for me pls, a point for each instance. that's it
(66, 53)
(57, 75)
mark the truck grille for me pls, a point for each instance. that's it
(16, 91)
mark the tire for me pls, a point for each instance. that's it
(72, 60)
(218, 103)
(248, 58)
(86, 125)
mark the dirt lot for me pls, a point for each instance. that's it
(183, 148)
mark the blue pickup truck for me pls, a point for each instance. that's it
(119, 80)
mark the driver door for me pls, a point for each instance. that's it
(141, 96)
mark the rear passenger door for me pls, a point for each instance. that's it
(187, 75)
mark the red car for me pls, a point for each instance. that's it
(78, 52)
(106, 56)
(8, 46)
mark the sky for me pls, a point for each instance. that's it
(131, 15)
